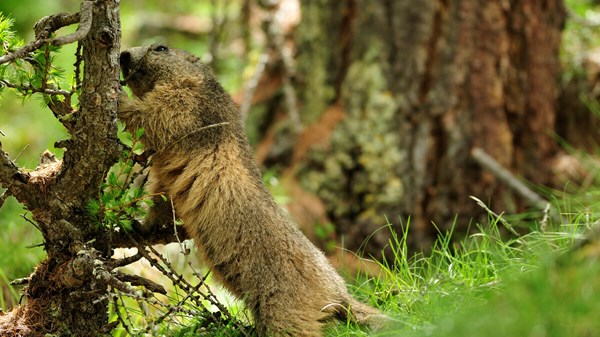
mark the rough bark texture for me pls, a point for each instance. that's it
(63, 297)
(420, 84)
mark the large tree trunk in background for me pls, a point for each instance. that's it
(399, 92)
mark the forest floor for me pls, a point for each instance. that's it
(541, 284)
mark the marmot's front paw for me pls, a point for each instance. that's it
(122, 96)
(125, 107)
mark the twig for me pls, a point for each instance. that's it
(20, 281)
(31, 222)
(43, 90)
(507, 177)
(49, 24)
(125, 261)
(85, 23)
(141, 281)
(252, 84)
(161, 235)
(276, 39)
(179, 280)
(178, 306)
(181, 246)
(3, 197)
(44, 84)
(77, 65)
(107, 277)
(10, 175)
(513, 182)
(21, 152)
(118, 312)
(505, 223)
(22, 52)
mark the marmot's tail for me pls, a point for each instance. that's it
(366, 315)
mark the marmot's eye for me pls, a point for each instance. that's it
(161, 48)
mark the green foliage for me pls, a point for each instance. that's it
(7, 36)
(19, 252)
(122, 197)
(200, 327)
(8, 294)
(32, 74)
(580, 35)
(486, 285)
(326, 233)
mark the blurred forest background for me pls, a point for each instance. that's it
(364, 112)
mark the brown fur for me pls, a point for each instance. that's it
(204, 164)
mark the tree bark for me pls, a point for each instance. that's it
(65, 296)
(400, 92)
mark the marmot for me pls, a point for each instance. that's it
(203, 162)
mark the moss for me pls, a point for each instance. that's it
(359, 175)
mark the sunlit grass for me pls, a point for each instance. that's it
(488, 285)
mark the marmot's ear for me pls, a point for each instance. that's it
(193, 58)
(188, 56)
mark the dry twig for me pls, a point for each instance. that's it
(513, 182)
(48, 25)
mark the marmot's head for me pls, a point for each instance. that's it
(144, 67)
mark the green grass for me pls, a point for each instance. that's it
(490, 286)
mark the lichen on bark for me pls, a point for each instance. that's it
(360, 175)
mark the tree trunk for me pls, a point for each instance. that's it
(399, 92)
(65, 295)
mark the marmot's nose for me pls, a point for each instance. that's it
(125, 57)
(125, 62)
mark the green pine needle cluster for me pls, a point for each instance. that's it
(123, 197)
(35, 73)
(8, 38)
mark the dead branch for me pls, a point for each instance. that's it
(51, 23)
(48, 91)
(20, 281)
(126, 261)
(9, 172)
(276, 40)
(48, 25)
(3, 197)
(14, 180)
(85, 23)
(177, 279)
(193, 293)
(508, 178)
(141, 281)
(513, 182)
(252, 84)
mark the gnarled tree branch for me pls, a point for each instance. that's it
(13, 179)
(48, 25)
